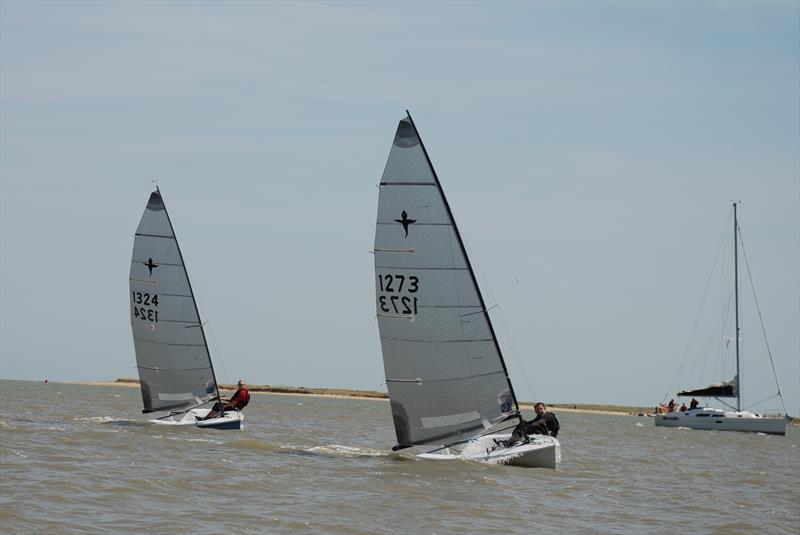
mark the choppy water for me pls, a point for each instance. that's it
(82, 459)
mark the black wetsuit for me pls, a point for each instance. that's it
(532, 427)
(550, 421)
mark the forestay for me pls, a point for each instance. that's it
(171, 352)
(444, 371)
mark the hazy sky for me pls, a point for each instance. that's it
(590, 153)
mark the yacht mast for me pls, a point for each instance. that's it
(736, 293)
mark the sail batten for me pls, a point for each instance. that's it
(465, 386)
(155, 236)
(429, 341)
(421, 380)
(407, 184)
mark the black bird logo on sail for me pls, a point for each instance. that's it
(405, 221)
(150, 265)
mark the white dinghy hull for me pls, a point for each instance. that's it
(540, 452)
(710, 419)
(230, 420)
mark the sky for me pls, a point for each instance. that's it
(590, 153)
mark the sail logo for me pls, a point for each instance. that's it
(150, 265)
(405, 221)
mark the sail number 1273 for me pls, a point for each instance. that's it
(391, 289)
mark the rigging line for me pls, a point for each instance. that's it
(473, 313)
(761, 320)
(489, 431)
(762, 401)
(503, 325)
(731, 407)
(676, 378)
(175, 413)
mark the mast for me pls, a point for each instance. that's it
(471, 273)
(736, 306)
(194, 301)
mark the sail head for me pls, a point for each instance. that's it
(444, 371)
(172, 357)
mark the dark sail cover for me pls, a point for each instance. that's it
(726, 389)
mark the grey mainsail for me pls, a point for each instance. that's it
(172, 357)
(444, 371)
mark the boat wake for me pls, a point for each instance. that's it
(108, 420)
(475, 451)
(336, 451)
(251, 444)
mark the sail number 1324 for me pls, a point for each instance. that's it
(145, 306)
(391, 298)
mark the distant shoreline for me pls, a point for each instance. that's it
(345, 393)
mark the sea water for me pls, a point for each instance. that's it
(83, 459)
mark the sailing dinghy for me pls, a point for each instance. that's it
(175, 371)
(709, 418)
(447, 381)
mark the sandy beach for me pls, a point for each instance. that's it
(352, 394)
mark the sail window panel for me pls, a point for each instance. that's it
(427, 248)
(169, 388)
(411, 403)
(432, 361)
(161, 250)
(420, 407)
(422, 204)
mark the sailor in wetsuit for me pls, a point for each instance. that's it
(238, 401)
(545, 423)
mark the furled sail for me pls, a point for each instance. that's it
(725, 389)
(444, 370)
(172, 356)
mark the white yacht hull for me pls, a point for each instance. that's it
(715, 419)
(541, 452)
(228, 420)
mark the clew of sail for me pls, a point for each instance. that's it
(172, 356)
(444, 371)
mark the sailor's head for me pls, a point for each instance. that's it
(241, 382)
(540, 408)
